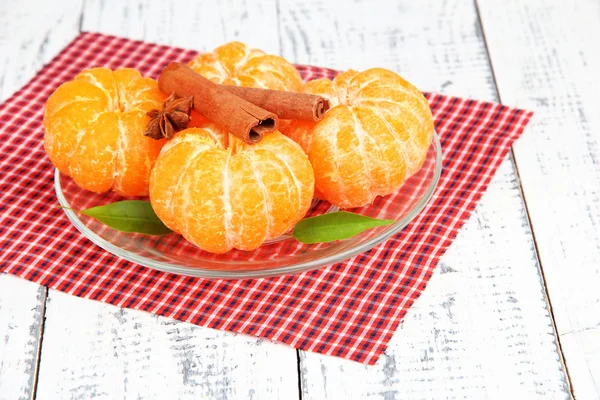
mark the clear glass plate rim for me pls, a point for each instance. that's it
(264, 273)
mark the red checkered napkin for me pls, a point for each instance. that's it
(347, 310)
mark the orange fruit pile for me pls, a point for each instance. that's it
(221, 193)
(236, 64)
(375, 135)
(94, 129)
(217, 191)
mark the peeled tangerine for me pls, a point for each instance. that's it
(94, 129)
(236, 64)
(375, 136)
(221, 193)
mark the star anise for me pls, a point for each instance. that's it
(174, 117)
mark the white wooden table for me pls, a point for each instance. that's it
(513, 310)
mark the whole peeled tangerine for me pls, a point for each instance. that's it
(221, 193)
(236, 64)
(373, 138)
(94, 130)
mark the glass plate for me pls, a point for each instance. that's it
(280, 256)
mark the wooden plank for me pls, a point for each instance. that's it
(31, 33)
(97, 350)
(482, 328)
(548, 61)
(188, 23)
(21, 319)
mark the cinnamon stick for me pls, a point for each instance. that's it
(286, 105)
(240, 117)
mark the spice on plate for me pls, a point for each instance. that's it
(174, 117)
(240, 117)
(286, 105)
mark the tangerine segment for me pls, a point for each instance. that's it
(249, 202)
(63, 96)
(136, 91)
(172, 167)
(288, 177)
(302, 135)
(102, 78)
(374, 138)
(236, 64)
(299, 131)
(384, 148)
(100, 140)
(135, 154)
(65, 128)
(277, 72)
(80, 139)
(204, 204)
(337, 156)
(145, 95)
(199, 121)
(124, 80)
(227, 194)
(324, 87)
(233, 55)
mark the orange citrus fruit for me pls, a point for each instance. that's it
(221, 193)
(236, 64)
(94, 129)
(375, 135)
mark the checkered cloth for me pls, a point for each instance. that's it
(347, 310)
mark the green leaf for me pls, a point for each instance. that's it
(334, 226)
(129, 216)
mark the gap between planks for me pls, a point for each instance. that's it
(36, 373)
(298, 358)
(80, 23)
(527, 214)
(298, 366)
